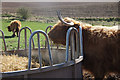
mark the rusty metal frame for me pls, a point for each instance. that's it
(3, 37)
(40, 57)
(48, 28)
(74, 66)
(50, 41)
(81, 40)
(25, 37)
(73, 31)
(46, 32)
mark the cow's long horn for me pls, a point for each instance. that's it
(62, 20)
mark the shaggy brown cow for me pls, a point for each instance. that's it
(14, 27)
(101, 45)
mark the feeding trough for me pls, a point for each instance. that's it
(59, 62)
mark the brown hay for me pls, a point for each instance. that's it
(15, 62)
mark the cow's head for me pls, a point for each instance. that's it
(9, 29)
(58, 33)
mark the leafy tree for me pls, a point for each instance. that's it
(24, 13)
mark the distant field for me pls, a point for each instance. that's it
(12, 43)
(70, 9)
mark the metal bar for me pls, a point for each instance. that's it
(3, 40)
(71, 30)
(81, 40)
(73, 45)
(29, 56)
(51, 61)
(46, 32)
(77, 46)
(25, 37)
(40, 58)
(71, 49)
(81, 49)
(19, 40)
(46, 37)
(67, 45)
(48, 28)
(32, 38)
(71, 34)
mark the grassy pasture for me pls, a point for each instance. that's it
(12, 42)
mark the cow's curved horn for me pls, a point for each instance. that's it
(61, 19)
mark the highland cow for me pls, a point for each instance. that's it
(14, 27)
(101, 45)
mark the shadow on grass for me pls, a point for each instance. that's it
(8, 36)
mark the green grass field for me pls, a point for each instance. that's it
(12, 42)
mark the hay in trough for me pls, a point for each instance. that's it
(15, 62)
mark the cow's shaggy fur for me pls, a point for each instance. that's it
(101, 46)
(14, 26)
